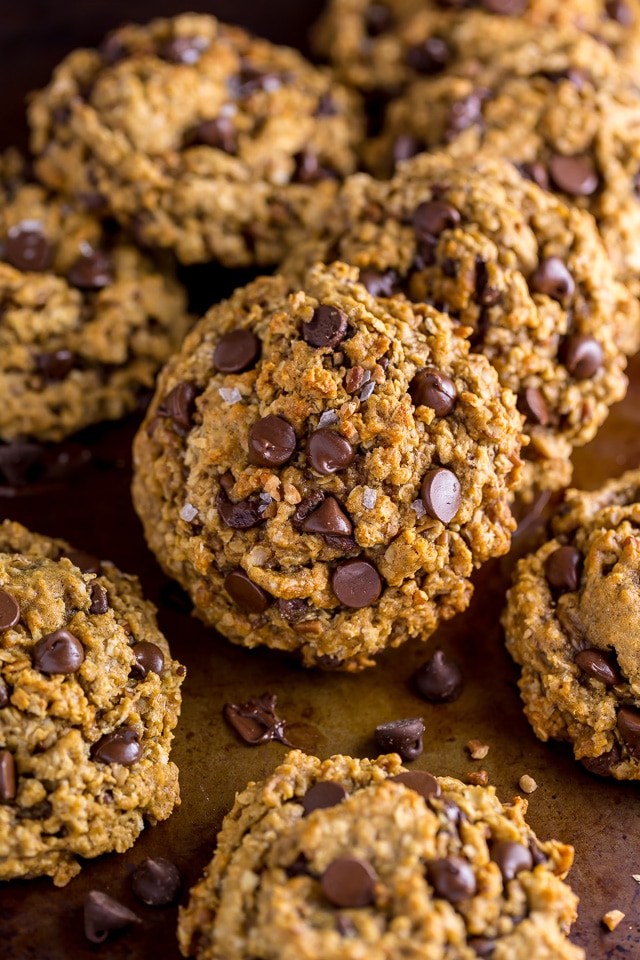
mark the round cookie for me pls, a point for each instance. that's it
(200, 137)
(558, 105)
(87, 320)
(346, 858)
(571, 622)
(89, 696)
(526, 272)
(322, 469)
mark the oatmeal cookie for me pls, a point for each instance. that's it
(345, 858)
(201, 137)
(322, 469)
(524, 270)
(87, 320)
(571, 622)
(89, 696)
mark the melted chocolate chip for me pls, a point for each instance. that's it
(574, 175)
(401, 736)
(563, 569)
(272, 442)
(629, 729)
(323, 794)
(9, 611)
(482, 946)
(536, 172)
(92, 271)
(533, 405)
(603, 765)
(511, 857)
(27, 248)
(56, 366)
(8, 777)
(306, 506)
(356, 583)
(103, 914)
(99, 599)
(256, 720)
(242, 515)
(463, 114)
(39, 811)
(183, 49)
(432, 217)
(538, 855)
(112, 50)
(421, 782)
(329, 452)
(429, 57)
(505, 8)
(441, 494)
(248, 595)
(308, 168)
(149, 657)
(122, 746)
(236, 351)
(378, 19)
(553, 279)
(252, 79)
(452, 878)
(219, 133)
(431, 388)
(292, 610)
(327, 327)
(620, 11)
(349, 882)
(156, 881)
(439, 679)
(328, 518)
(601, 665)
(58, 652)
(581, 355)
(86, 562)
(406, 146)
(179, 404)
(379, 284)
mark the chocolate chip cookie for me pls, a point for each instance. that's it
(571, 622)
(322, 469)
(199, 137)
(523, 270)
(350, 858)
(87, 320)
(89, 696)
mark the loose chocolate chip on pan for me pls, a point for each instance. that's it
(248, 595)
(432, 217)
(256, 721)
(629, 728)
(104, 915)
(620, 11)
(122, 746)
(9, 611)
(149, 657)
(554, 279)
(156, 881)
(574, 175)
(236, 351)
(421, 782)
(439, 679)
(429, 57)
(356, 583)
(91, 271)
(99, 599)
(581, 355)
(432, 388)
(349, 882)
(511, 857)
(58, 652)
(325, 793)
(272, 442)
(327, 327)
(601, 665)
(179, 404)
(8, 779)
(27, 248)
(533, 405)
(441, 494)
(86, 562)
(401, 736)
(219, 133)
(329, 452)
(328, 518)
(563, 568)
(452, 878)
(56, 365)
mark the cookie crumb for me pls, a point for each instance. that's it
(612, 918)
(477, 749)
(527, 783)
(478, 778)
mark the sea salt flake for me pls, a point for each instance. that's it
(188, 512)
(230, 395)
(328, 418)
(418, 506)
(367, 390)
(369, 498)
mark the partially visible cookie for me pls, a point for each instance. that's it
(525, 271)
(322, 469)
(572, 623)
(350, 858)
(87, 320)
(199, 137)
(89, 696)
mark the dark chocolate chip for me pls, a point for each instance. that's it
(629, 728)
(482, 946)
(429, 57)
(325, 793)
(103, 915)
(292, 610)
(406, 146)
(156, 881)
(91, 271)
(536, 172)
(538, 856)
(379, 284)
(148, 656)
(99, 599)
(122, 746)
(86, 562)
(553, 278)
(421, 782)
(432, 217)
(441, 494)
(401, 736)
(511, 857)
(242, 515)
(39, 811)
(581, 355)
(329, 452)
(272, 442)
(356, 583)
(248, 595)
(252, 79)
(328, 518)
(326, 106)
(601, 665)
(439, 679)
(432, 388)
(27, 248)
(236, 351)
(112, 50)
(452, 878)
(183, 49)
(58, 652)
(349, 882)
(308, 168)
(56, 366)
(563, 568)
(574, 175)
(378, 19)
(533, 405)
(620, 11)
(299, 867)
(4, 694)
(486, 294)
(179, 404)
(463, 114)
(9, 611)
(327, 327)
(8, 778)
(505, 8)
(256, 720)
(603, 765)
(219, 133)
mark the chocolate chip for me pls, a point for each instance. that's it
(533, 405)
(536, 172)
(179, 404)
(429, 57)
(292, 610)
(99, 599)
(56, 366)
(326, 106)
(91, 271)
(378, 19)
(325, 793)
(452, 878)
(603, 765)
(112, 50)
(629, 728)
(538, 856)
(511, 857)
(156, 881)
(103, 914)
(439, 679)
(4, 694)
(9, 611)
(553, 278)
(482, 946)
(272, 442)
(406, 146)
(432, 388)
(219, 133)
(58, 652)
(401, 736)
(345, 926)
(486, 294)
(563, 568)
(308, 168)
(349, 882)
(328, 518)
(463, 114)
(122, 746)
(299, 867)
(27, 248)
(8, 778)
(581, 355)
(148, 656)
(248, 595)
(236, 351)
(620, 11)
(601, 665)
(250, 79)
(421, 782)
(505, 8)
(183, 49)
(379, 284)
(356, 583)
(432, 217)
(256, 720)
(242, 515)
(327, 327)
(574, 175)
(441, 494)
(329, 452)
(306, 506)
(86, 562)
(39, 811)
